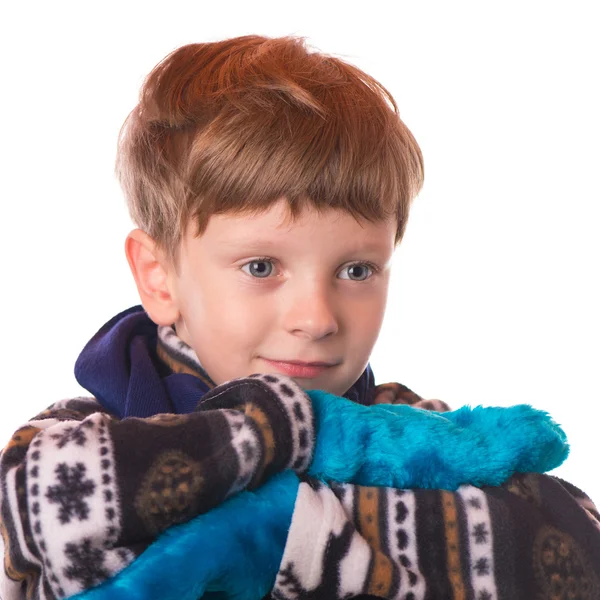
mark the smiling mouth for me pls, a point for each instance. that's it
(300, 369)
(304, 364)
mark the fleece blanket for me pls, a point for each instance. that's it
(236, 549)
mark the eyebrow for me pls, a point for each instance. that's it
(247, 243)
(253, 244)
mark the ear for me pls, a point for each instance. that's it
(151, 272)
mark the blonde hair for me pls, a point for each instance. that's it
(235, 125)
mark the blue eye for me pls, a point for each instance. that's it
(357, 272)
(260, 269)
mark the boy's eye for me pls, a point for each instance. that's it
(258, 268)
(357, 272)
(262, 268)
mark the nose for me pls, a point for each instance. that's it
(310, 313)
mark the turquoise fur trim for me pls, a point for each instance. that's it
(234, 550)
(426, 449)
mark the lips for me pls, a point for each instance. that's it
(296, 368)
(306, 364)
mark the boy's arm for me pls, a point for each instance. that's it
(82, 493)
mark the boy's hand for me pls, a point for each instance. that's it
(404, 447)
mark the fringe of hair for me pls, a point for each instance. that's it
(233, 126)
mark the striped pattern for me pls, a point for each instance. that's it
(481, 542)
(402, 541)
(453, 545)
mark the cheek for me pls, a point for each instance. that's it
(366, 319)
(240, 320)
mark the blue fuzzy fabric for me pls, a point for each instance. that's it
(425, 449)
(234, 551)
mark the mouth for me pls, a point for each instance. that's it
(300, 369)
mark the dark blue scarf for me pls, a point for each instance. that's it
(121, 368)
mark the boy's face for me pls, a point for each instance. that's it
(265, 294)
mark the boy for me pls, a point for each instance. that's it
(270, 187)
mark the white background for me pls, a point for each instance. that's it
(496, 289)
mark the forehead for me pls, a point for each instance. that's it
(276, 225)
